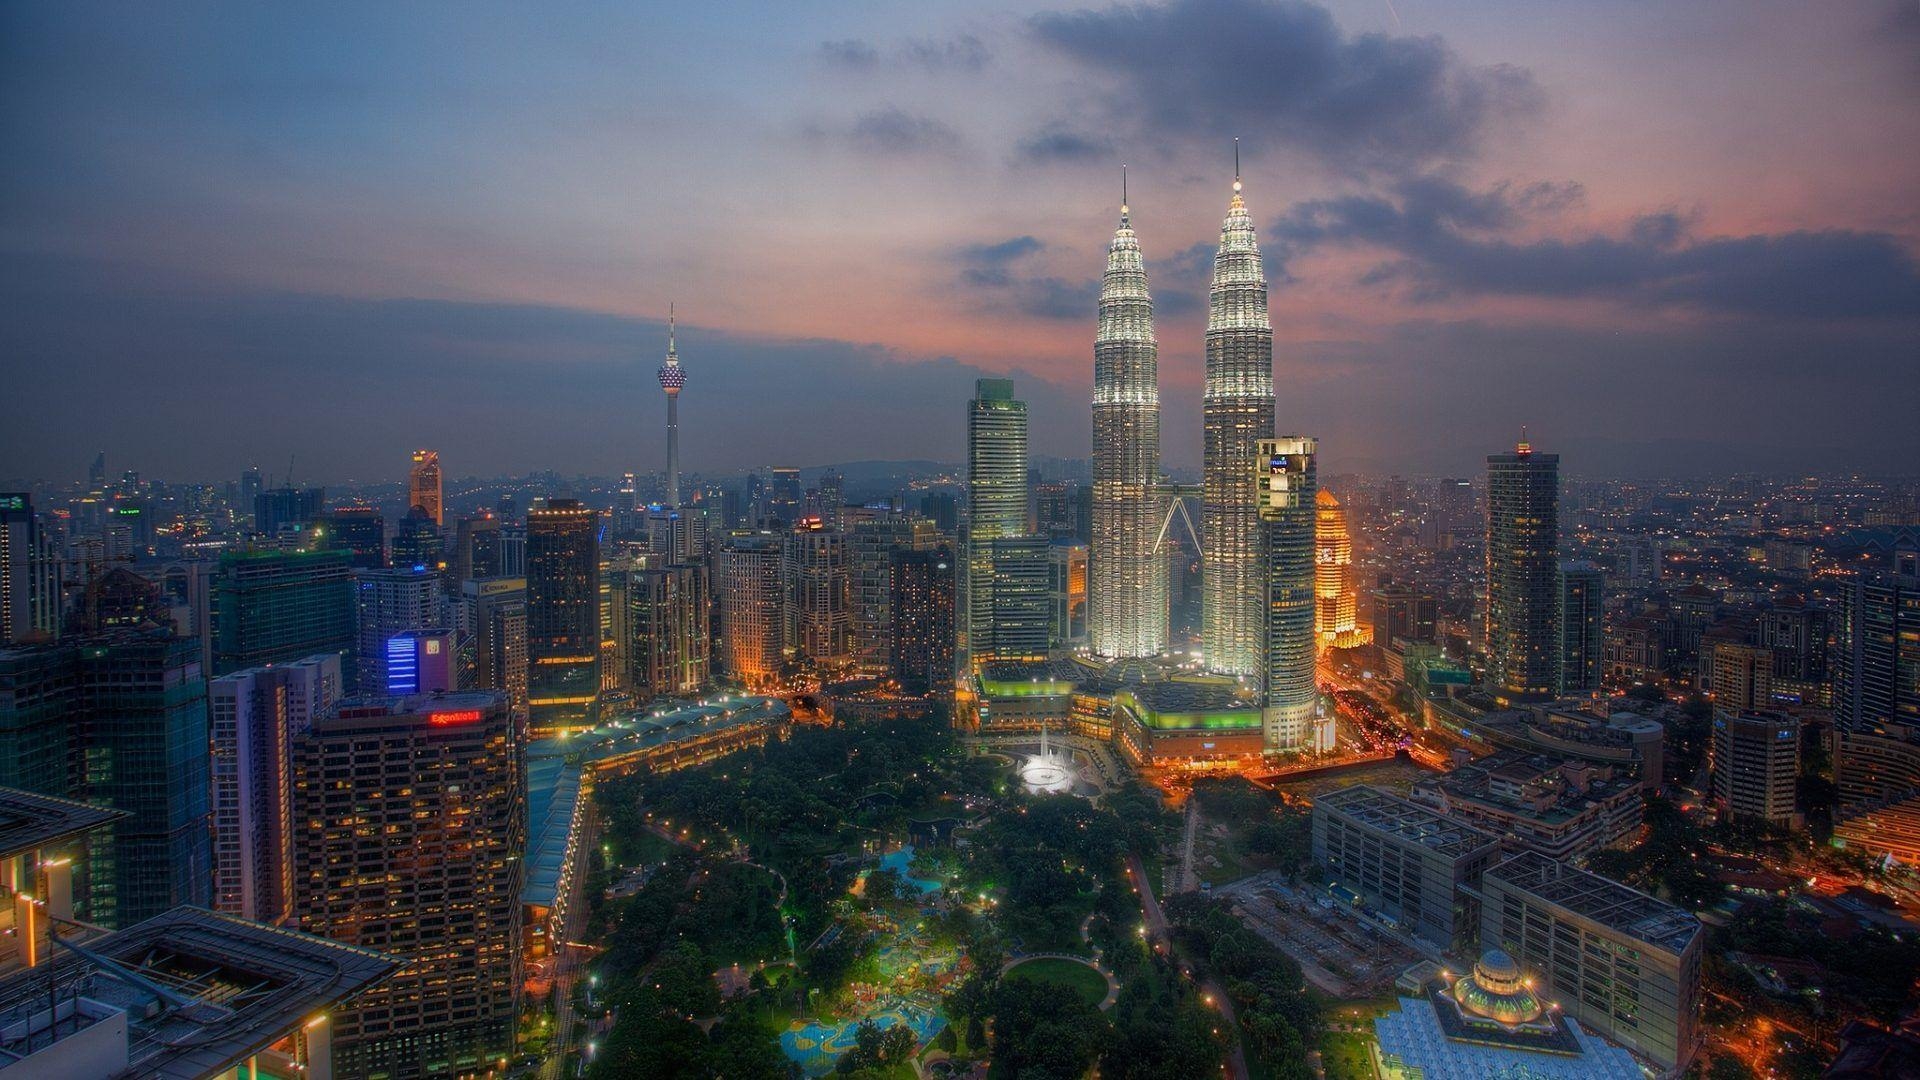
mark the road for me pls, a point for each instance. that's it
(1216, 994)
(1186, 882)
(568, 958)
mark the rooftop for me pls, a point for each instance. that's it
(29, 821)
(216, 991)
(1607, 902)
(1406, 821)
(645, 730)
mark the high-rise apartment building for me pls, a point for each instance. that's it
(920, 641)
(491, 615)
(1619, 961)
(391, 603)
(1127, 597)
(1583, 623)
(996, 507)
(818, 593)
(669, 642)
(255, 716)
(274, 606)
(563, 614)
(1756, 765)
(1286, 505)
(423, 487)
(1237, 415)
(411, 840)
(752, 609)
(870, 549)
(29, 574)
(1523, 583)
(1876, 678)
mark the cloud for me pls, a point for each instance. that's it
(1057, 142)
(1449, 241)
(1282, 72)
(891, 132)
(963, 53)
(851, 54)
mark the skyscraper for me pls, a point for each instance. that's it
(1756, 765)
(752, 601)
(870, 548)
(360, 531)
(996, 505)
(256, 715)
(921, 640)
(391, 603)
(423, 486)
(1127, 597)
(492, 615)
(1238, 414)
(1876, 678)
(672, 378)
(276, 606)
(815, 573)
(1337, 602)
(29, 574)
(1523, 575)
(413, 815)
(563, 613)
(1287, 511)
(1583, 616)
(668, 646)
(1019, 621)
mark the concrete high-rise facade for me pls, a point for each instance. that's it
(1756, 765)
(752, 610)
(1237, 414)
(412, 842)
(870, 549)
(996, 507)
(491, 614)
(393, 602)
(1020, 616)
(669, 643)
(275, 606)
(1583, 623)
(423, 486)
(921, 610)
(818, 591)
(1523, 573)
(1127, 591)
(563, 614)
(1287, 512)
(255, 717)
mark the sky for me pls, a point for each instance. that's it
(1669, 239)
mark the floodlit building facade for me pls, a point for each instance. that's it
(996, 508)
(1127, 599)
(1287, 506)
(563, 613)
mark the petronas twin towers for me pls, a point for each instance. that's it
(1127, 596)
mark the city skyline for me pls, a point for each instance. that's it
(1450, 260)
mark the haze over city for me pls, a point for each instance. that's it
(1674, 239)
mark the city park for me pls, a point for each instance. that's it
(886, 901)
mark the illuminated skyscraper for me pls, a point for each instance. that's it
(921, 640)
(996, 509)
(391, 603)
(1285, 510)
(1336, 601)
(752, 626)
(1238, 413)
(1583, 615)
(815, 573)
(1127, 598)
(412, 841)
(672, 378)
(1523, 573)
(563, 613)
(423, 485)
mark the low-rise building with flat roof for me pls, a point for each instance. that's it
(1560, 807)
(1403, 860)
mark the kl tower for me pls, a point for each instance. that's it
(672, 378)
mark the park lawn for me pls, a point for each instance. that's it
(1088, 983)
(1347, 1055)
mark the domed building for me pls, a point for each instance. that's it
(1490, 1023)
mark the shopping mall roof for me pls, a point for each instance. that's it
(29, 821)
(200, 993)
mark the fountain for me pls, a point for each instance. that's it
(1047, 773)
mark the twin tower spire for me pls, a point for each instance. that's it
(1127, 596)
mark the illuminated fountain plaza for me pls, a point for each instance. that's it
(1048, 772)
